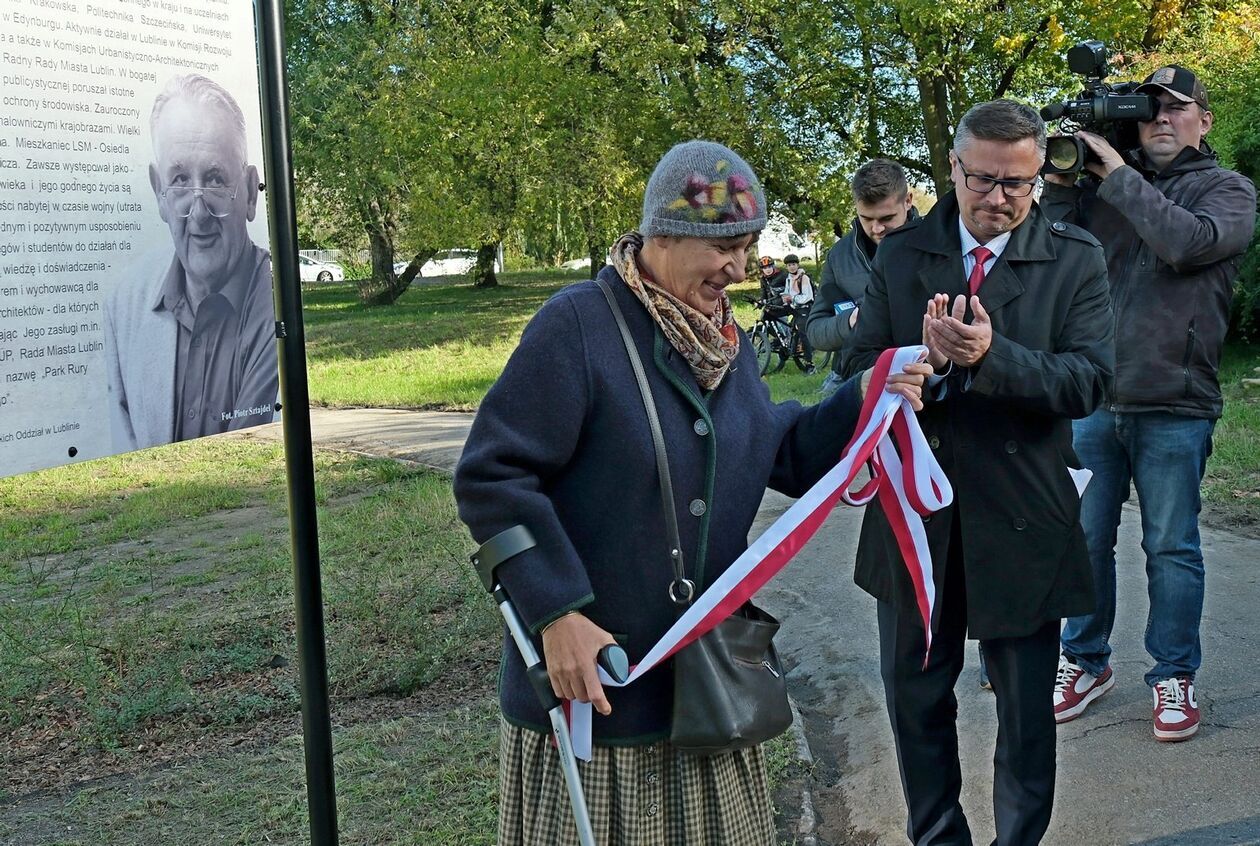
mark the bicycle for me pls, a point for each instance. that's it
(775, 340)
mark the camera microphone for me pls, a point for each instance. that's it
(1053, 111)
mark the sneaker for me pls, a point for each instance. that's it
(1176, 709)
(1075, 688)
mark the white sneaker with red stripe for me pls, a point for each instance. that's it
(1176, 709)
(1075, 688)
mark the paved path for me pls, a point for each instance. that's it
(1116, 784)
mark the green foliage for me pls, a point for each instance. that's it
(1245, 311)
(429, 124)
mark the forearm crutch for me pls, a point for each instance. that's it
(612, 658)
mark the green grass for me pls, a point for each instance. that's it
(1232, 484)
(411, 780)
(154, 596)
(176, 631)
(414, 780)
(441, 346)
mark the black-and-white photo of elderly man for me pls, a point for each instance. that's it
(191, 343)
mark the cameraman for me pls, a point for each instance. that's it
(1175, 225)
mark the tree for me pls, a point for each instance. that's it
(352, 141)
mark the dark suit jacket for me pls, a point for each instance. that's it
(1002, 429)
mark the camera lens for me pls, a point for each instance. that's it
(1064, 154)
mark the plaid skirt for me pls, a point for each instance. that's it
(637, 795)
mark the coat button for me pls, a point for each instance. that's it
(701, 427)
(698, 507)
(1020, 524)
(927, 518)
(1011, 447)
(934, 442)
(1059, 226)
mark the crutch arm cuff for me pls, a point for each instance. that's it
(501, 547)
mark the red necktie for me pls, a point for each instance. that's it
(981, 254)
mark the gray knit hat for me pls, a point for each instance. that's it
(704, 190)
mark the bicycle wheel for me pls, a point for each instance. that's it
(780, 337)
(762, 347)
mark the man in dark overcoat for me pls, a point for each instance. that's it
(1016, 314)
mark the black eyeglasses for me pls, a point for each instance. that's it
(1013, 188)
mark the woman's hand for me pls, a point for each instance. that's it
(571, 647)
(909, 383)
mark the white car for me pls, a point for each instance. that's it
(311, 270)
(449, 263)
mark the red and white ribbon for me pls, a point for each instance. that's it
(910, 485)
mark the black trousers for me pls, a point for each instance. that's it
(800, 314)
(924, 711)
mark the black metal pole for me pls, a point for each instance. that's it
(282, 217)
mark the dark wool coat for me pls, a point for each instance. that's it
(561, 445)
(1002, 430)
(1174, 243)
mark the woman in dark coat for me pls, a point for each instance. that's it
(561, 445)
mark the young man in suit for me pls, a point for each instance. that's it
(884, 202)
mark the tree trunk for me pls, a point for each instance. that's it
(383, 287)
(871, 95)
(412, 270)
(596, 249)
(935, 105)
(483, 273)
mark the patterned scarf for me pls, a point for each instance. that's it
(709, 343)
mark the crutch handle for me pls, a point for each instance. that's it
(614, 661)
(612, 658)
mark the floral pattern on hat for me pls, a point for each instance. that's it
(721, 200)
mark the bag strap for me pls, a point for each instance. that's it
(681, 589)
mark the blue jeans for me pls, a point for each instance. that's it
(1164, 455)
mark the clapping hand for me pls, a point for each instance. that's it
(949, 339)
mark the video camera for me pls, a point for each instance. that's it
(1111, 111)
